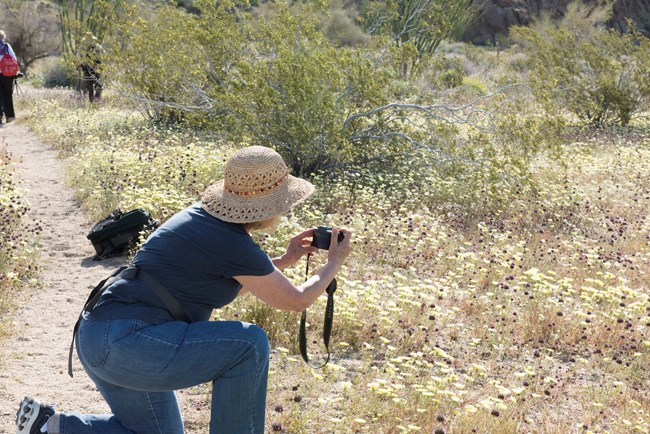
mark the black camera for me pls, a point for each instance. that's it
(323, 236)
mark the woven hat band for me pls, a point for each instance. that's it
(261, 190)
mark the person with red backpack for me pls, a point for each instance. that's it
(8, 71)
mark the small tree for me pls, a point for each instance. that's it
(84, 25)
(33, 30)
(170, 64)
(416, 26)
(599, 75)
(296, 90)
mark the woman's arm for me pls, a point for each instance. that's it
(279, 292)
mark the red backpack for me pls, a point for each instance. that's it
(8, 65)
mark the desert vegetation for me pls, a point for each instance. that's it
(499, 200)
(18, 249)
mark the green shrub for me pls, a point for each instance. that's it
(169, 64)
(341, 29)
(296, 91)
(599, 75)
(55, 74)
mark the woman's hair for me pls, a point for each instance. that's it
(263, 225)
(3, 35)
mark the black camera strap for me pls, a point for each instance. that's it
(327, 325)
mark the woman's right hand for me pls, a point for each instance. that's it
(339, 252)
(278, 291)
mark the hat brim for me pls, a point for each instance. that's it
(247, 209)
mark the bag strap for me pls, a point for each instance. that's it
(130, 272)
(94, 296)
(107, 251)
(172, 305)
(327, 323)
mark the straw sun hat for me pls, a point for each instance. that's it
(256, 187)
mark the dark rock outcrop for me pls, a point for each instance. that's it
(499, 15)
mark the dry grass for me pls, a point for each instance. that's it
(17, 250)
(533, 317)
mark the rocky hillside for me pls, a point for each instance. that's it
(499, 15)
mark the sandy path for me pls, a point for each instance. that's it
(34, 360)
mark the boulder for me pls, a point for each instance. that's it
(499, 15)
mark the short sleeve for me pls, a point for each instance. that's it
(247, 259)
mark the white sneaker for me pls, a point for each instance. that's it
(31, 416)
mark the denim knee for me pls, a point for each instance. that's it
(259, 339)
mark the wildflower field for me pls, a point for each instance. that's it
(528, 315)
(18, 251)
(498, 196)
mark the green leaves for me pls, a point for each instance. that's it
(598, 75)
(176, 63)
(298, 90)
(85, 24)
(416, 27)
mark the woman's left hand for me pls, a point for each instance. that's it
(299, 246)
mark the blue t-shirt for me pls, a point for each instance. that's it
(195, 256)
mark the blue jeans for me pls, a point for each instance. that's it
(137, 366)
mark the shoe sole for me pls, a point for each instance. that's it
(31, 416)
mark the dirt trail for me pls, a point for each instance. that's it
(34, 360)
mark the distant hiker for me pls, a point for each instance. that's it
(8, 72)
(90, 72)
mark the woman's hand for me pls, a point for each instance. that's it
(299, 246)
(339, 252)
(278, 291)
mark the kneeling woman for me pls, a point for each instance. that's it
(138, 354)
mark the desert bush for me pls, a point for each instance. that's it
(156, 63)
(176, 65)
(600, 76)
(54, 74)
(413, 29)
(298, 92)
(452, 74)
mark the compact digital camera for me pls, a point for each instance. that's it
(323, 236)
